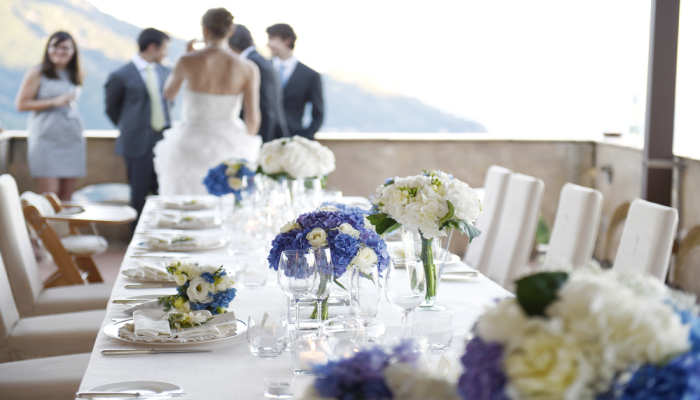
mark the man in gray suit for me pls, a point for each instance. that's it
(134, 102)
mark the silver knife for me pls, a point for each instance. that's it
(160, 255)
(109, 352)
(134, 395)
(129, 301)
(151, 285)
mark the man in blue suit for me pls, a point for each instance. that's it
(134, 102)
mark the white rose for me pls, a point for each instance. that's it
(180, 279)
(349, 230)
(270, 155)
(409, 383)
(235, 183)
(317, 237)
(543, 363)
(503, 322)
(364, 259)
(199, 290)
(290, 226)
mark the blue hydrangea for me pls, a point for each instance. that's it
(677, 380)
(292, 240)
(216, 181)
(346, 208)
(208, 277)
(483, 377)
(221, 299)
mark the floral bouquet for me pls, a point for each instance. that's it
(432, 202)
(348, 235)
(378, 374)
(296, 157)
(588, 334)
(231, 176)
(200, 287)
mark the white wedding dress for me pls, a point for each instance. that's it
(209, 133)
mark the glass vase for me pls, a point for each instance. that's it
(432, 254)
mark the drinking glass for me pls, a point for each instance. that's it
(251, 270)
(405, 287)
(365, 292)
(436, 327)
(323, 269)
(296, 276)
(267, 334)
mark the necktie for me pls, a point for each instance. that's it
(280, 71)
(157, 113)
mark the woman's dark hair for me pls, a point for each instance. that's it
(241, 38)
(284, 31)
(219, 21)
(48, 69)
(151, 35)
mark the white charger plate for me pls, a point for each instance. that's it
(183, 247)
(143, 387)
(112, 330)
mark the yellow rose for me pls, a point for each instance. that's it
(178, 302)
(235, 183)
(185, 307)
(545, 364)
(180, 278)
(317, 237)
(289, 226)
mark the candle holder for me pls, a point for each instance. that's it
(306, 353)
(278, 387)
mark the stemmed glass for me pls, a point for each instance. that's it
(296, 276)
(365, 292)
(324, 278)
(405, 287)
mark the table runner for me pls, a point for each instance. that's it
(231, 371)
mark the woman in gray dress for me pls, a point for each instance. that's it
(56, 146)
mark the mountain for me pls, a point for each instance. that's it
(105, 43)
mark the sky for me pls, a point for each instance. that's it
(537, 67)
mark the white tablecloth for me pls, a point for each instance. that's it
(231, 371)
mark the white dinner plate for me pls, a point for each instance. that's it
(209, 245)
(112, 330)
(459, 277)
(143, 387)
(187, 203)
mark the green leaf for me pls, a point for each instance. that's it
(464, 228)
(450, 213)
(338, 283)
(536, 292)
(383, 223)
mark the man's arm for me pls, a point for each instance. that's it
(114, 97)
(316, 99)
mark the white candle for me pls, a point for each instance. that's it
(307, 359)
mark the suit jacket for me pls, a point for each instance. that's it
(271, 111)
(129, 107)
(303, 86)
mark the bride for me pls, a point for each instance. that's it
(210, 131)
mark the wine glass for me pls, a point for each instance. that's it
(405, 286)
(365, 292)
(296, 276)
(322, 284)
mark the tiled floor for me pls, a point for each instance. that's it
(108, 263)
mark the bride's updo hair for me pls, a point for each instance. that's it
(219, 21)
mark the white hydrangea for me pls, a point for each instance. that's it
(299, 157)
(420, 201)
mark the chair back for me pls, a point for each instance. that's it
(496, 183)
(516, 230)
(575, 226)
(8, 309)
(45, 208)
(647, 239)
(16, 247)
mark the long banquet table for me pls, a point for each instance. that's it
(231, 371)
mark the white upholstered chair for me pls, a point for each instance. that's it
(30, 296)
(56, 378)
(516, 230)
(647, 239)
(46, 335)
(575, 226)
(495, 188)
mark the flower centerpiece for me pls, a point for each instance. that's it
(297, 158)
(432, 202)
(588, 334)
(231, 176)
(379, 374)
(346, 232)
(200, 287)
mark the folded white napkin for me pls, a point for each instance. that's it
(151, 323)
(149, 305)
(147, 271)
(168, 241)
(167, 220)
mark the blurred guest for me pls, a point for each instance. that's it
(134, 102)
(300, 84)
(241, 42)
(56, 146)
